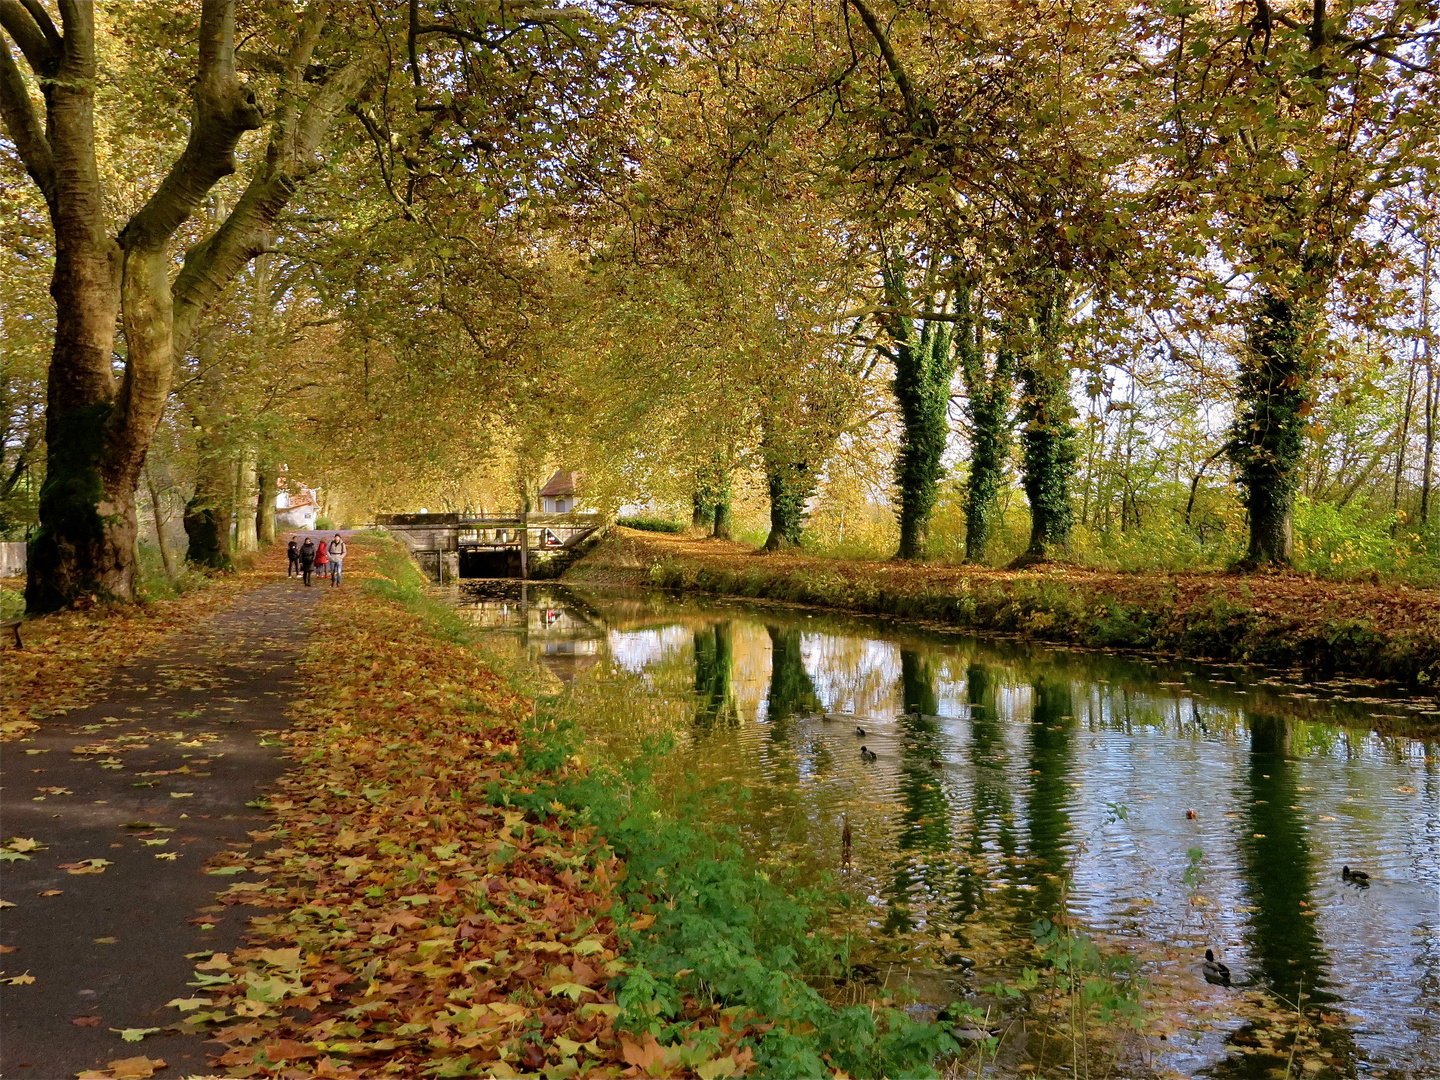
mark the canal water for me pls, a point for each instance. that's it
(1162, 807)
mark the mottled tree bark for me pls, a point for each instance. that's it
(265, 505)
(208, 513)
(98, 427)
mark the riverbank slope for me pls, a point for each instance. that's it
(1379, 631)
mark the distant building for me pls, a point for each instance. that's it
(561, 494)
(297, 511)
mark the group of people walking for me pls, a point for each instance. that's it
(322, 558)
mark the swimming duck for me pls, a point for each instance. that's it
(1214, 971)
(859, 732)
(935, 762)
(866, 754)
(1360, 877)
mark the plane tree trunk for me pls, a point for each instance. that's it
(98, 426)
(265, 504)
(208, 513)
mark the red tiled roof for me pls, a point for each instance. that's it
(562, 483)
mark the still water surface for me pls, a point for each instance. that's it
(1163, 807)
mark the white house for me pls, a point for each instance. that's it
(297, 511)
(561, 494)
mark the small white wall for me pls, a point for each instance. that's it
(12, 558)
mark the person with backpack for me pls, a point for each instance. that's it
(294, 552)
(307, 558)
(337, 559)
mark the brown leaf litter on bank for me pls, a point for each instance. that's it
(415, 925)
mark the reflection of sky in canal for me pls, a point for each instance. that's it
(1033, 777)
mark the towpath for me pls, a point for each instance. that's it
(129, 798)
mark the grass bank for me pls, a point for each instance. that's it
(451, 890)
(1379, 631)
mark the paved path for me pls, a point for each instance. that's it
(194, 718)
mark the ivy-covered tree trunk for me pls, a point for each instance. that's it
(790, 485)
(924, 365)
(722, 527)
(1047, 438)
(1274, 390)
(988, 409)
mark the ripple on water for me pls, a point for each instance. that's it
(1164, 811)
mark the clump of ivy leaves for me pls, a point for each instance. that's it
(449, 892)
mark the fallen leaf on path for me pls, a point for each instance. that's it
(136, 1068)
(188, 1004)
(24, 979)
(106, 940)
(48, 892)
(86, 866)
(134, 1034)
(86, 1021)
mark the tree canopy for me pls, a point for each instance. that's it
(1145, 285)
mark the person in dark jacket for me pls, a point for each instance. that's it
(294, 552)
(307, 558)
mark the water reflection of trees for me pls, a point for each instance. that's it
(791, 690)
(1047, 815)
(714, 661)
(1283, 939)
(923, 871)
(1277, 868)
(991, 814)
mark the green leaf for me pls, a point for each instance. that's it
(134, 1034)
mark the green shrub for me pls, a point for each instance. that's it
(652, 524)
(152, 582)
(324, 524)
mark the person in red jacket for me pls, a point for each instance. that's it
(322, 559)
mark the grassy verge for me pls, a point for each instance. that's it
(455, 893)
(1284, 620)
(69, 656)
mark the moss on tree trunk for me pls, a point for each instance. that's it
(1274, 390)
(988, 396)
(1047, 435)
(790, 485)
(85, 546)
